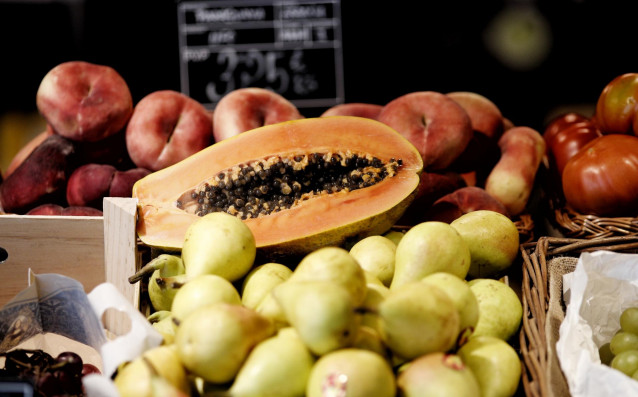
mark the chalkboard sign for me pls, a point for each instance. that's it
(291, 47)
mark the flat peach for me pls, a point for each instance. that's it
(247, 108)
(83, 101)
(434, 123)
(357, 109)
(165, 128)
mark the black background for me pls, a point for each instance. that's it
(390, 48)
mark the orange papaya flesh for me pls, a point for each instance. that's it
(308, 216)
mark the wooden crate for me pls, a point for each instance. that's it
(68, 245)
(90, 249)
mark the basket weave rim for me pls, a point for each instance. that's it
(535, 298)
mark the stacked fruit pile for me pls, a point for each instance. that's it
(398, 313)
(621, 352)
(98, 143)
(594, 160)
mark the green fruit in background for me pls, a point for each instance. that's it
(219, 243)
(260, 281)
(427, 248)
(500, 308)
(437, 374)
(375, 254)
(277, 366)
(418, 318)
(622, 341)
(138, 377)
(333, 264)
(495, 364)
(203, 290)
(214, 340)
(322, 312)
(492, 238)
(626, 362)
(351, 372)
(461, 294)
(629, 320)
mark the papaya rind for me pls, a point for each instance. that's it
(160, 224)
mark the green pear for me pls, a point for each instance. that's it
(461, 294)
(260, 280)
(214, 340)
(500, 308)
(203, 290)
(427, 248)
(160, 267)
(493, 240)
(278, 366)
(219, 243)
(418, 318)
(351, 372)
(163, 323)
(333, 264)
(375, 254)
(137, 378)
(322, 312)
(437, 374)
(495, 364)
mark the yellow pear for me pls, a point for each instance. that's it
(333, 264)
(495, 364)
(322, 312)
(500, 308)
(375, 254)
(418, 318)
(214, 340)
(370, 307)
(163, 323)
(351, 372)
(260, 280)
(160, 267)
(203, 290)
(427, 248)
(219, 243)
(437, 374)
(461, 294)
(271, 309)
(278, 366)
(137, 378)
(493, 240)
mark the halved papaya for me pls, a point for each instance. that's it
(298, 185)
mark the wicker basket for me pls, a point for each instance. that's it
(544, 263)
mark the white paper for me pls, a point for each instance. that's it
(141, 337)
(602, 285)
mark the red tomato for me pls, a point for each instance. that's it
(617, 106)
(559, 123)
(563, 144)
(602, 178)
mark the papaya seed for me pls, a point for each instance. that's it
(261, 187)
